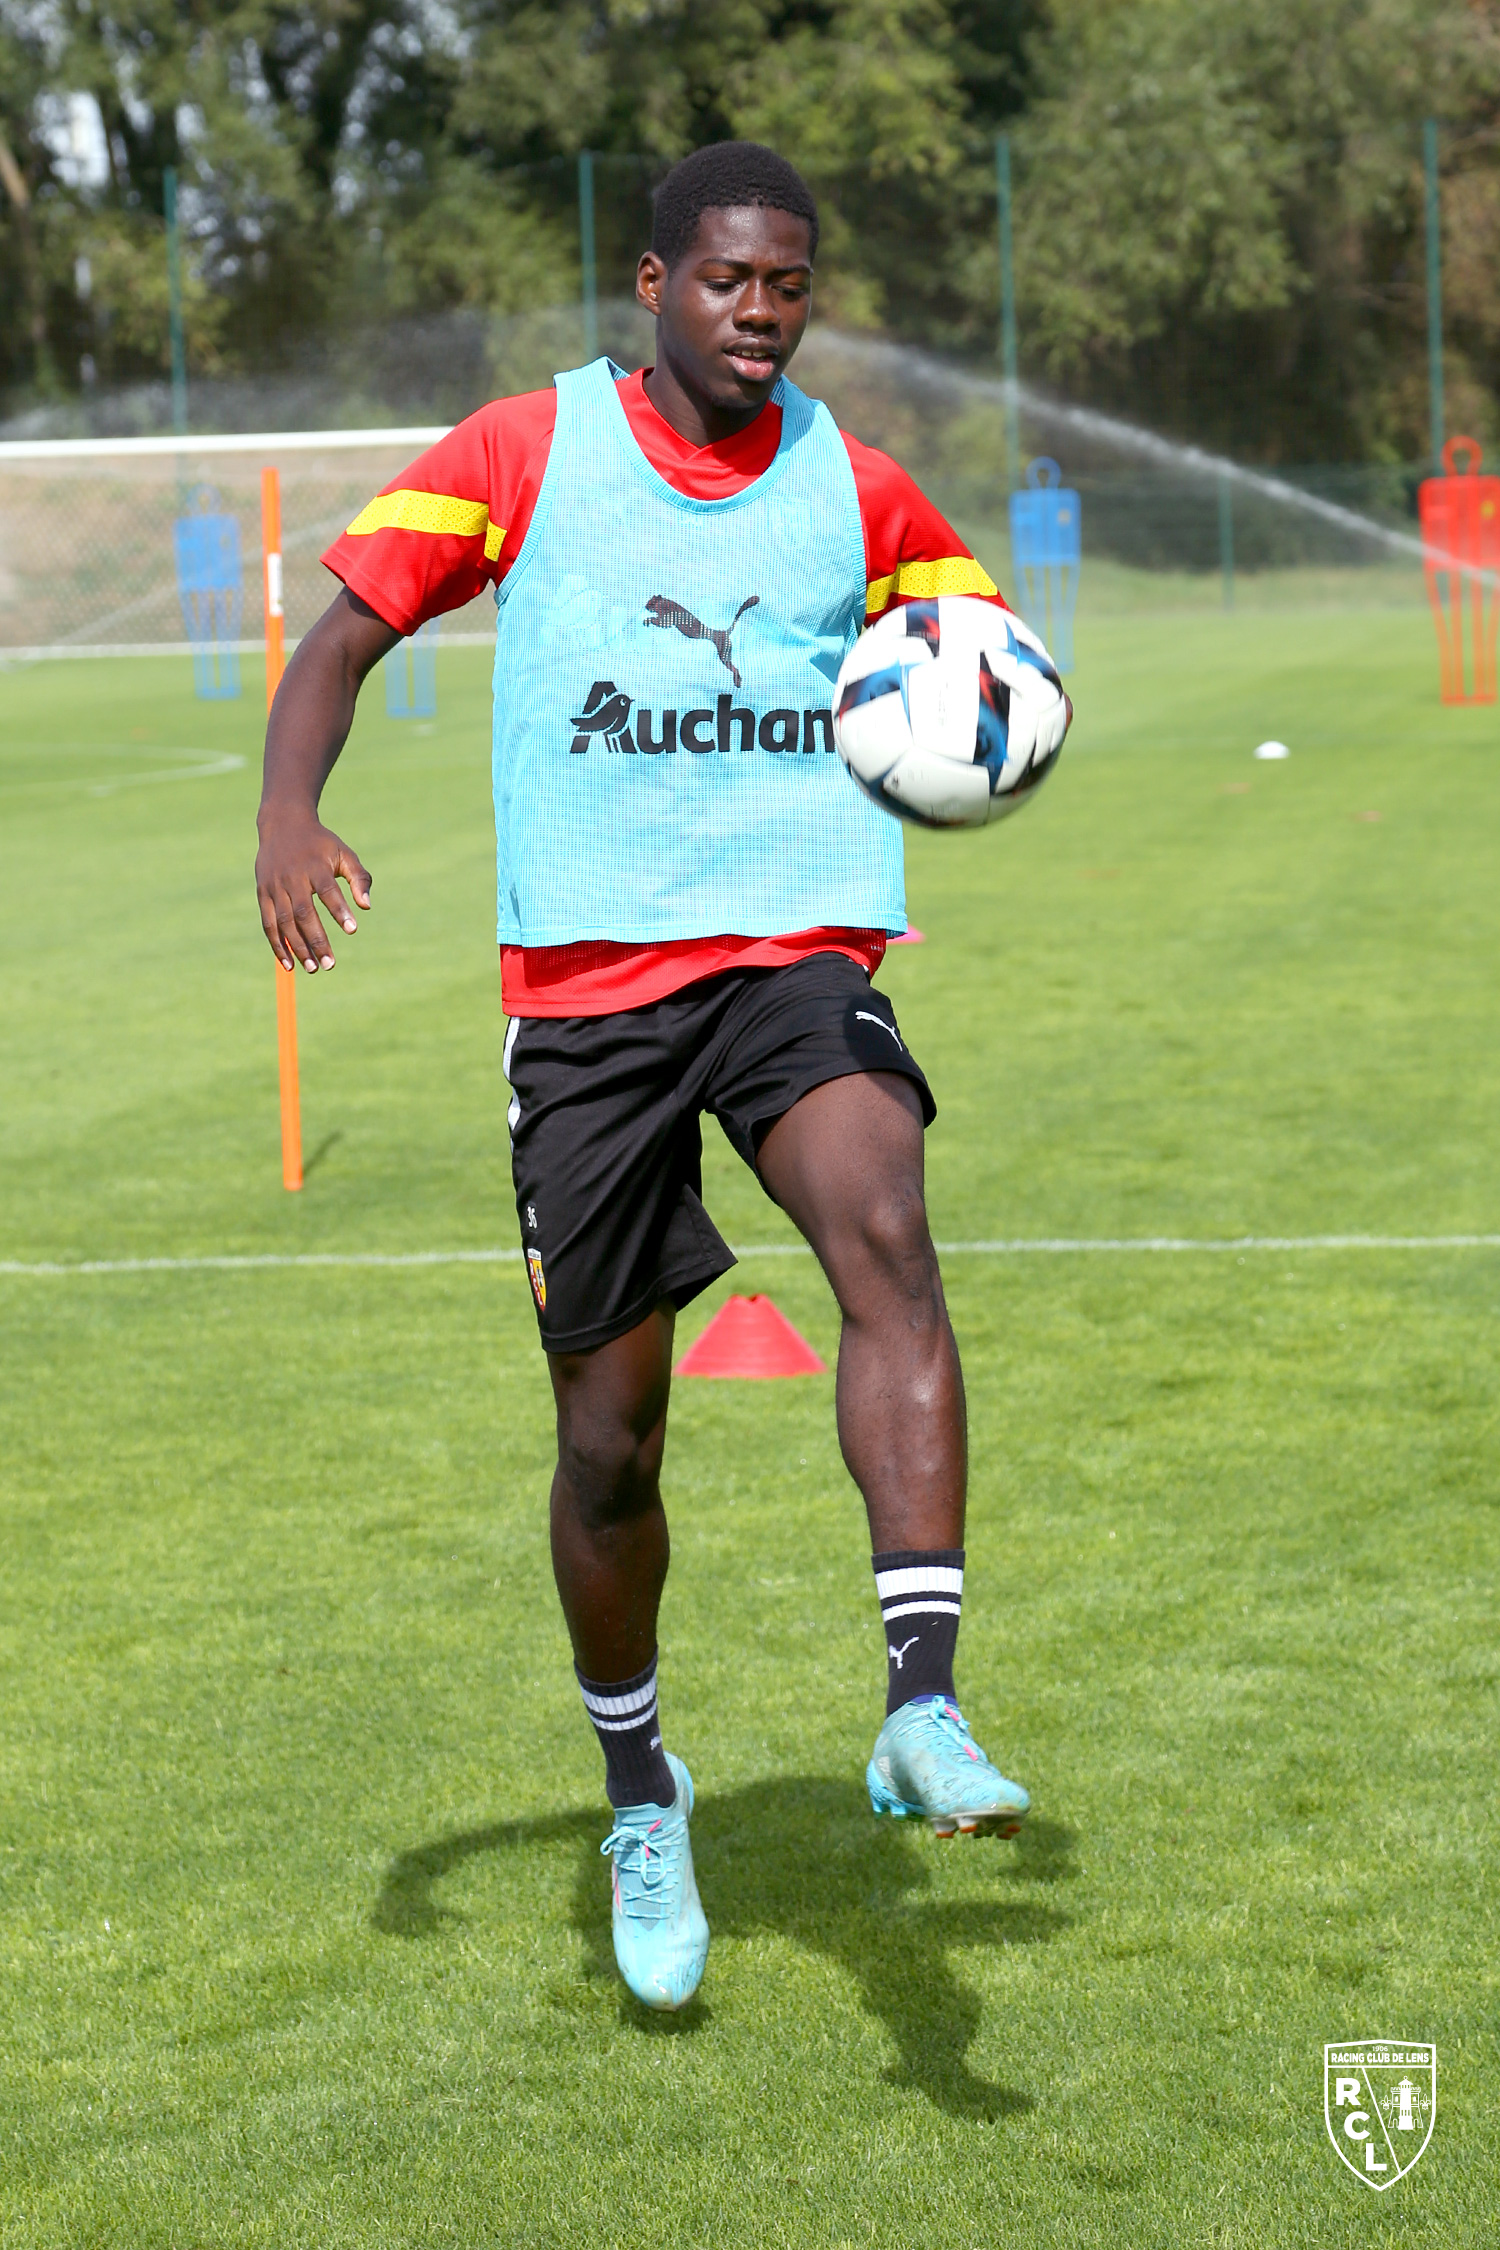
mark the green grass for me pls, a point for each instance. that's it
(303, 1931)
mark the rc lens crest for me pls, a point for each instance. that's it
(1379, 2103)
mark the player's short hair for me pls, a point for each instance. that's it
(726, 176)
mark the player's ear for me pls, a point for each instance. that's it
(650, 281)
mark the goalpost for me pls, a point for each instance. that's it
(88, 564)
(92, 536)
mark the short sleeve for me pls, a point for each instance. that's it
(912, 553)
(452, 523)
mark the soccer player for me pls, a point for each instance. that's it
(693, 895)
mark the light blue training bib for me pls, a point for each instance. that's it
(663, 748)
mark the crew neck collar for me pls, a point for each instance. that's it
(752, 431)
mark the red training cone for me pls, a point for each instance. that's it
(911, 935)
(748, 1336)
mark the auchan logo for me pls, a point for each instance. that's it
(614, 720)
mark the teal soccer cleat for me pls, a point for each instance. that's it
(927, 1766)
(661, 1936)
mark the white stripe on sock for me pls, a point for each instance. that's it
(623, 1726)
(615, 1706)
(921, 1609)
(919, 1578)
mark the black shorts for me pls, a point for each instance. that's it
(606, 1147)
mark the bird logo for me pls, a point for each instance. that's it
(606, 712)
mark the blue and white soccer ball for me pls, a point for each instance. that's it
(949, 712)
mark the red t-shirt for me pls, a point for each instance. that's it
(454, 523)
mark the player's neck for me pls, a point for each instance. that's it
(700, 420)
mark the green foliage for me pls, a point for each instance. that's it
(868, 95)
(1221, 212)
(467, 238)
(341, 162)
(304, 1926)
(1219, 209)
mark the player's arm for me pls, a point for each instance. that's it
(300, 861)
(425, 545)
(911, 552)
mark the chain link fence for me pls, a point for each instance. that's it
(86, 531)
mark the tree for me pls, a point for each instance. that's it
(24, 343)
(1221, 211)
(875, 99)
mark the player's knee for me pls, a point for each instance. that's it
(895, 1252)
(893, 1225)
(610, 1472)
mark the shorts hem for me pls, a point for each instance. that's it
(681, 1287)
(899, 1067)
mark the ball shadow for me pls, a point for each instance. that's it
(800, 1857)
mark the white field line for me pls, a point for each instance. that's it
(1022, 1246)
(1063, 1245)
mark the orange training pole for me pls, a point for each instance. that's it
(286, 985)
(270, 539)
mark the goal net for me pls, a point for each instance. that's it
(89, 551)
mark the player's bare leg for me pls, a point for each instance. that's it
(609, 1530)
(609, 1555)
(845, 1163)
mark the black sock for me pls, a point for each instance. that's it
(920, 1598)
(624, 1715)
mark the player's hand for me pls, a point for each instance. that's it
(298, 866)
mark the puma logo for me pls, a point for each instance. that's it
(863, 1015)
(896, 1654)
(671, 616)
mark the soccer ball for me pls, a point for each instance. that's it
(949, 712)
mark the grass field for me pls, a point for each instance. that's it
(303, 1930)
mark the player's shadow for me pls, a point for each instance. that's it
(800, 1857)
